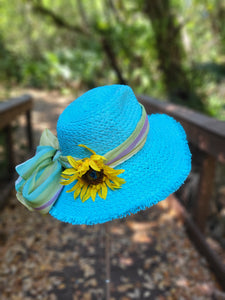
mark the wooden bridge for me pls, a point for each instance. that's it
(208, 135)
(205, 133)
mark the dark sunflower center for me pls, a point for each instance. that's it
(93, 177)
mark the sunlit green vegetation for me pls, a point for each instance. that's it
(167, 49)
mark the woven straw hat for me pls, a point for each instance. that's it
(102, 119)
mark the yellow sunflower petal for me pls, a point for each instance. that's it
(104, 190)
(76, 186)
(72, 161)
(64, 182)
(70, 171)
(97, 157)
(111, 171)
(65, 176)
(87, 195)
(84, 167)
(69, 180)
(100, 193)
(120, 180)
(118, 172)
(116, 187)
(109, 184)
(93, 165)
(77, 192)
(99, 189)
(92, 151)
(116, 183)
(83, 192)
(93, 193)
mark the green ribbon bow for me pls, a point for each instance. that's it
(38, 185)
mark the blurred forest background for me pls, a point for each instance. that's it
(168, 49)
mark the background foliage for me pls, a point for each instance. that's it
(167, 49)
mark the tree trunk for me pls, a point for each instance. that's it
(170, 51)
(217, 18)
(106, 45)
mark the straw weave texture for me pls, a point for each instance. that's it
(102, 119)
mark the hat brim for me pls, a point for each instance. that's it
(151, 175)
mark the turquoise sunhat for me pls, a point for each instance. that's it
(110, 160)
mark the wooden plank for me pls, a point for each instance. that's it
(206, 133)
(198, 239)
(208, 123)
(13, 102)
(10, 109)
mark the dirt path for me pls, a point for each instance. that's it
(42, 258)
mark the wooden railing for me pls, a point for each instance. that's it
(208, 135)
(9, 111)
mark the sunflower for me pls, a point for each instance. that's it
(92, 176)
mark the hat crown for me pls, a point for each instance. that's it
(102, 119)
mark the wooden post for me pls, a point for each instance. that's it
(9, 150)
(201, 210)
(107, 260)
(29, 130)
